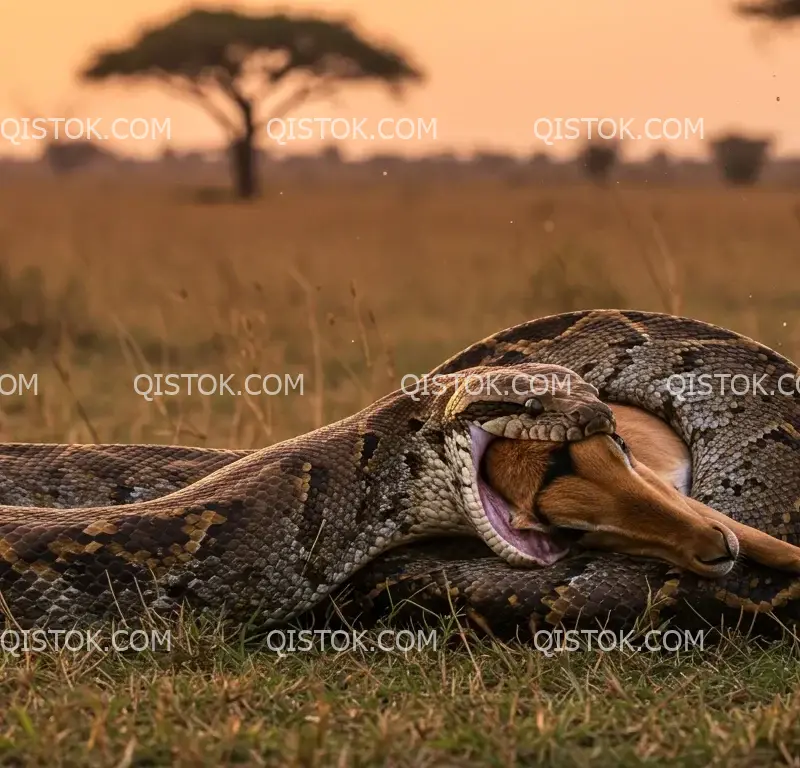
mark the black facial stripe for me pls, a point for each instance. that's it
(559, 464)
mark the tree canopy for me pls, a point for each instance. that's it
(231, 63)
(773, 10)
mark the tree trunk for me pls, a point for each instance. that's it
(243, 157)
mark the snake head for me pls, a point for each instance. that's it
(530, 402)
(526, 402)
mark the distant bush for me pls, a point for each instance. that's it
(66, 156)
(741, 159)
(598, 160)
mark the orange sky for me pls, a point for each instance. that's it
(491, 73)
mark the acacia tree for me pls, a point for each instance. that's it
(772, 10)
(246, 70)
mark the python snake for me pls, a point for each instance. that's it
(93, 533)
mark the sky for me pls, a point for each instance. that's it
(495, 79)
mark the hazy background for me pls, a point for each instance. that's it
(492, 73)
(357, 273)
(353, 273)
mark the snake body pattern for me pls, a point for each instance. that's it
(93, 533)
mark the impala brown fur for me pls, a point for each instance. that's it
(629, 498)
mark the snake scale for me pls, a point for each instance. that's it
(387, 503)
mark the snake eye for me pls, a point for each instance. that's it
(534, 406)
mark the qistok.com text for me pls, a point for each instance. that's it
(18, 384)
(550, 642)
(15, 642)
(285, 641)
(153, 385)
(489, 384)
(682, 385)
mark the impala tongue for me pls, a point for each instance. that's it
(541, 547)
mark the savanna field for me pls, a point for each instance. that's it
(353, 285)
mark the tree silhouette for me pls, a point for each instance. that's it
(598, 159)
(740, 158)
(772, 10)
(231, 63)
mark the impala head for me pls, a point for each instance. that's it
(526, 404)
(606, 499)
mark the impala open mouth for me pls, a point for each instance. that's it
(537, 546)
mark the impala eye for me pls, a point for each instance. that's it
(623, 446)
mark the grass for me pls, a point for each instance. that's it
(354, 286)
(209, 701)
